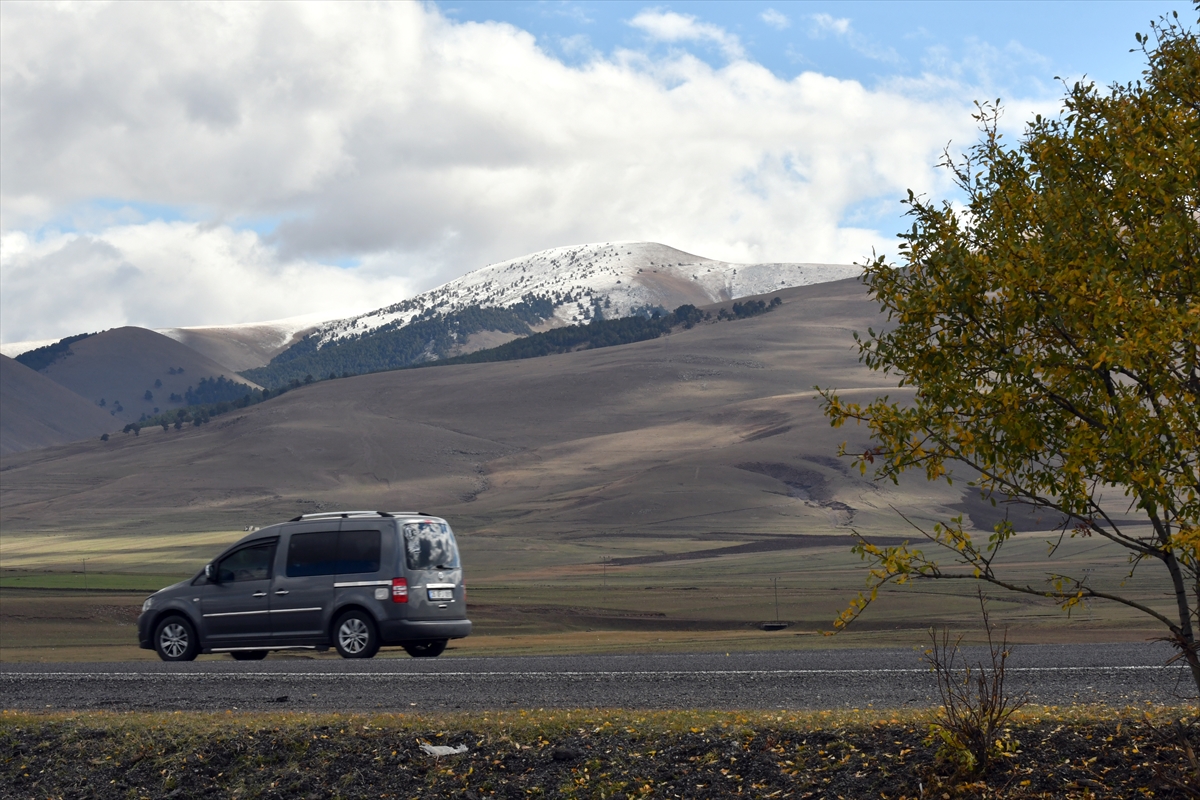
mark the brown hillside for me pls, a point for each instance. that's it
(120, 365)
(37, 412)
(704, 432)
(239, 347)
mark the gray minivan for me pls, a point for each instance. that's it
(356, 580)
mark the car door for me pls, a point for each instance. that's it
(302, 590)
(235, 608)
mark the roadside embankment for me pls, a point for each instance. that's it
(1048, 752)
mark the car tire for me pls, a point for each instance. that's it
(354, 635)
(175, 639)
(430, 648)
(248, 655)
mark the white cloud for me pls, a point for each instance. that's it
(842, 28)
(418, 146)
(986, 65)
(775, 19)
(667, 26)
(161, 274)
(825, 23)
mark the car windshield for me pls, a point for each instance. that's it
(430, 545)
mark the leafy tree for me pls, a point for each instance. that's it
(104, 437)
(1051, 334)
(148, 396)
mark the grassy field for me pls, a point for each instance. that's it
(648, 496)
(559, 598)
(1050, 752)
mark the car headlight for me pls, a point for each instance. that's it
(146, 606)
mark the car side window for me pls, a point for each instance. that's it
(358, 552)
(248, 564)
(312, 554)
(333, 553)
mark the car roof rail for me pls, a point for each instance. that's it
(346, 514)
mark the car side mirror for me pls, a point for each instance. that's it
(210, 572)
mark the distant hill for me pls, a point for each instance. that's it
(708, 431)
(37, 412)
(249, 345)
(127, 372)
(549, 289)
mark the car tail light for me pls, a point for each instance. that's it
(399, 590)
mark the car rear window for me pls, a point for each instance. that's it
(430, 545)
(333, 553)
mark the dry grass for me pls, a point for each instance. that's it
(1053, 752)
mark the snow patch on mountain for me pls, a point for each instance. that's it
(614, 279)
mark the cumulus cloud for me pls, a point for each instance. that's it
(827, 23)
(284, 138)
(667, 26)
(775, 19)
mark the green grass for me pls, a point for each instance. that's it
(557, 597)
(92, 581)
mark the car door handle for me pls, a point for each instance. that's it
(259, 594)
(281, 591)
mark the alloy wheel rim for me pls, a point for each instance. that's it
(174, 640)
(353, 635)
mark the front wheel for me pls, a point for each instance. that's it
(354, 635)
(431, 648)
(175, 640)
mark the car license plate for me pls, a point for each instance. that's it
(441, 594)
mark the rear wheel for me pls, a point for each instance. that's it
(249, 655)
(175, 639)
(430, 648)
(354, 635)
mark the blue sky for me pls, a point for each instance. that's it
(212, 163)
(884, 39)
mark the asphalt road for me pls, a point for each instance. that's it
(1111, 674)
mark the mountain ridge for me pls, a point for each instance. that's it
(649, 274)
(549, 289)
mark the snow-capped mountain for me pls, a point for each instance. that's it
(618, 278)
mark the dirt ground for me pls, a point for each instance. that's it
(584, 755)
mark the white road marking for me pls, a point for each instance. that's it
(723, 673)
